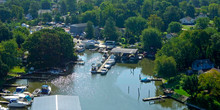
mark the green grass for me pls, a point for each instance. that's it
(17, 69)
(181, 92)
(187, 27)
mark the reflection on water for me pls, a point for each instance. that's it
(118, 90)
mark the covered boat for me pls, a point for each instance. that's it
(45, 90)
(145, 80)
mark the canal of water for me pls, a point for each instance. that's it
(118, 90)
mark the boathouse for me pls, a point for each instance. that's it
(78, 29)
(56, 102)
(125, 54)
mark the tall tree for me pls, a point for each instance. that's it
(110, 31)
(5, 14)
(147, 9)
(155, 22)
(191, 85)
(90, 30)
(151, 39)
(34, 7)
(5, 34)
(71, 5)
(213, 10)
(47, 17)
(190, 11)
(45, 4)
(217, 23)
(135, 25)
(202, 23)
(63, 7)
(165, 66)
(174, 27)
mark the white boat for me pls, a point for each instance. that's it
(45, 90)
(3, 108)
(108, 65)
(36, 92)
(18, 104)
(18, 96)
(20, 89)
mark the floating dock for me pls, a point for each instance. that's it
(154, 98)
(12, 85)
(4, 102)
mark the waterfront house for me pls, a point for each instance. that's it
(125, 54)
(187, 21)
(170, 35)
(203, 64)
(78, 29)
(56, 102)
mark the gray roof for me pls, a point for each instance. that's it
(56, 102)
(79, 25)
(124, 50)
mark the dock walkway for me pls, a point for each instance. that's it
(154, 98)
(99, 70)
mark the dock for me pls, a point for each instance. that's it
(12, 85)
(156, 79)
(154, 98)
(101, 67)
(4, 102)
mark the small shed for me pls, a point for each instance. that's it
(77, 29)
(56, 102)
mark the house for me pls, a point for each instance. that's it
(78, 29)
(201, 16)
(56, 102)
(170, 35)
(203, 64)
(110, 44)
(187, 21)
(29, 16)
(40, 12)
(25, 25)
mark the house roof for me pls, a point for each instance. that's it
(202, 64)
(79, 25)
(56, 102)
(187, 18)
(124, 50)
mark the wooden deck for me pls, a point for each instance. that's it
(99, 70)
(154, 98)
(156, 79)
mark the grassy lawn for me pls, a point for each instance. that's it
(17, 69)
(187, 27)
(181, 92)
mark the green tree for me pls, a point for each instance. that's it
(202, 23)
(34, 7)
(190, 11)
(45, 4)
(5, 34)
(165, 66)
(155, 22)
(191, 85)
(74, 19)
(217, 23)
(4, 69)
(23, 30)
(214, 52)
(92, 16)
(57, 18)
(5, 14)
(213, 10)
(47, 17)
(174, 27)
(71, 5)
(67, 20)
(135, 25)
(49, 48)
(63, 7)
(20, 38)
(146, 9)
(90, 30)
(9, 53)
(17, 12)
(151, 39)
(172, 13)
(110, 31)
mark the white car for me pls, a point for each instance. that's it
(108, 65)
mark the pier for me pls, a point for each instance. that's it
(101, 67)
(154, 98)
(4, 102)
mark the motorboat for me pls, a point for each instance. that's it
(18, 103)
(104, 71)
(20, 89)
(18, 96)
(108, 65)
(80, 62)
(3, 108)
(145, 80)
(45, 90)
(36, 92)
(112, 61)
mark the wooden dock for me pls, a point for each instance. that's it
(99, 70)
(12, 85)
(154, 98)
(156, 79)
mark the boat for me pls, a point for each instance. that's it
(20, 89)
(95, 67)
(18, 96)
(36, 92)
(3, 108)
(104, 71)
(145, 80)
(19, 103)
(45, 90)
